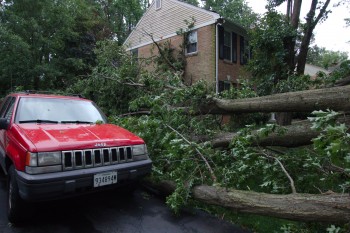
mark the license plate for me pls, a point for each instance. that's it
(106, 178)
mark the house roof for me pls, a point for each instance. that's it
(312, 70)
(166, 21)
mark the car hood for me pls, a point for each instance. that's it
(50, 137)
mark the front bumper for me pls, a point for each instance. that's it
(59, 185)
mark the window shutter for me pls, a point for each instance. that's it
(221, 41)
(234, 47)
(242, 49)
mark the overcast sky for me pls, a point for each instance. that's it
(331, 34)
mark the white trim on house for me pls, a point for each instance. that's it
(169, 36)
(135, 37)
(215, 15)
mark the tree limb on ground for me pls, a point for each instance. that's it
(332, 207)
(335, 98)
(298, 134)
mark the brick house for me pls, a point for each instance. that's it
(215, 51)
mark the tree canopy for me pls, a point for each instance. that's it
(50, 44)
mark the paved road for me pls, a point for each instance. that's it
(110, 212)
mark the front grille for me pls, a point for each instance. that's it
(79, 159)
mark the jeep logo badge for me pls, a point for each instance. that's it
(102, 144)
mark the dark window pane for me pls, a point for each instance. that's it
(224, 85)
(234, 47)
(191, 48)
(227, 53)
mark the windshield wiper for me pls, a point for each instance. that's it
(77, 122)
(39, 121)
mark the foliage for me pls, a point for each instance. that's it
(121, 16)
(45, 43)
(340, 72)
(268, 64)
(281, 43)
(332, 145)
(236, 11)
(112, 83)
(50, 44)
(171, 153)
(294, 83)
(118, 85)
(245, 90)
(192, 2)
(168, 134)
(324, 58)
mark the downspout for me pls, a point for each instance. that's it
(217, 58)
(219, 22)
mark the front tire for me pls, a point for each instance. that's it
(14, 201)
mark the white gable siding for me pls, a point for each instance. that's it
(164, 22)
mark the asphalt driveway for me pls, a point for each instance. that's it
(110, 212)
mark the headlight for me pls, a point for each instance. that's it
(32, 159)
(43, 162)
(139, 152)
(49, 158)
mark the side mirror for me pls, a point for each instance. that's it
(4, 123)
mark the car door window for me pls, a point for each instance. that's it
(4, 106)
(9, 109)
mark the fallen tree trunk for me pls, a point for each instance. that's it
(335, 98)
(298, 134)
(299, 207)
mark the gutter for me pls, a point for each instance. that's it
(217, 58)
(218, 22)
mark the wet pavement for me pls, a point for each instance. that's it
(111, 212)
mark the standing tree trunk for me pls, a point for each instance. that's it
(311, 23)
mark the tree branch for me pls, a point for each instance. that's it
(135, 113)
(291, 181)
(198, 152)
(161, 51)
(322, 12)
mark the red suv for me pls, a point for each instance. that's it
(58, 146)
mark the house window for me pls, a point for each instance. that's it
(243, 51)
(158, 4)
(192, 40)
(135, 54)
(224, 85)
(234, 47)
(227, 45)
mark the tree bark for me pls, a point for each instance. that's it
(299, 207)
(335, 98)
(311, 23)
(298, 134)
(343, 82)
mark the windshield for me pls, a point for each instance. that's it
(51, 110)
